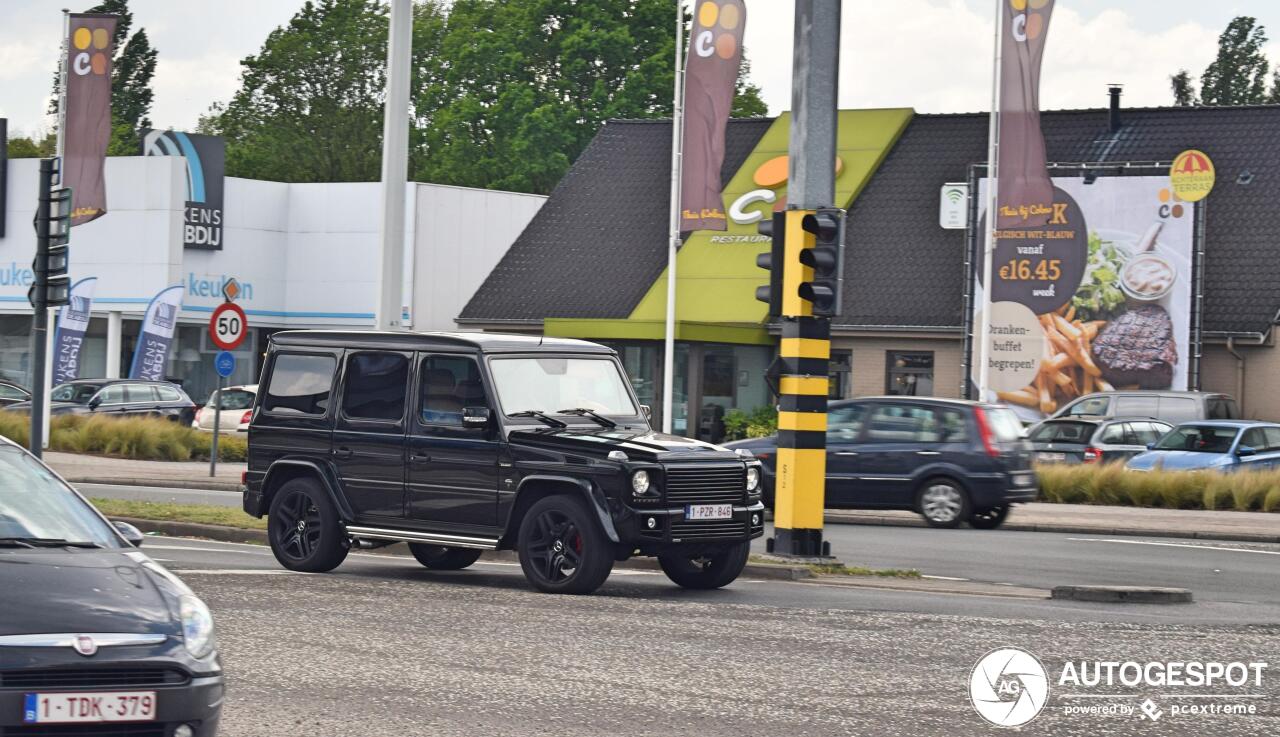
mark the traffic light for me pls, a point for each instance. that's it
(52, 286)
(825, 257)
(773, 262)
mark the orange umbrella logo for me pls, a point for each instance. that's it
(1191, 175)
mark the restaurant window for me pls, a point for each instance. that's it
(909, 373)
(841, 369)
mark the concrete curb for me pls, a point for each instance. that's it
(201, 484)
(1248, 537)
(1123, 594)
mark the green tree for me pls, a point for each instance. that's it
(27, 147)
(1239, 75)
(133, 67)
(1184, 93)
(521, 86)
(1274, 97)
(747, 102)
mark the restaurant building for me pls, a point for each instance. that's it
(592, 262)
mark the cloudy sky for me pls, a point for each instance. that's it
(932, 55)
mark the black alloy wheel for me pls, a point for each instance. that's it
(440, 558)
(303, 529)
(990, 518)
(562, 549)
(707, 571)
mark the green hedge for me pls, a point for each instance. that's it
(139, 438)
(1245, 491)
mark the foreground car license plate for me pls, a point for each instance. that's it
(708, 511)
(89, 707)
(1051, 457)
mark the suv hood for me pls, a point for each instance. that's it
(58, 590)
(648, 446)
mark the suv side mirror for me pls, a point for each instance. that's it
(130, 533)
(1151, 446)
(475, 417)
(95, 401)
(1246, 450)
(647, 411)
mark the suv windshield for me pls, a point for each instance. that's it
(35, 504)
(1067, 432)
(554, 383)
(1199, 438)
(74, 393)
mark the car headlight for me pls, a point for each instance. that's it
(753, 478)
(197, 626)
(640, 482)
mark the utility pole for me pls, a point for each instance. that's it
(395, 166)
(812, 253)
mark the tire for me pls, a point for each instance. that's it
(303, 528)
(943, 503)
(989, 518)
(562, 548)
(440, 558)
(707, 572)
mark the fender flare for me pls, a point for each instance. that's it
(590, 493)
(326, 481)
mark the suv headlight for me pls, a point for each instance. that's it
(640, 482)
(197, 626)
(753, 478)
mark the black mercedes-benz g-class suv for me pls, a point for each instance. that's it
(458, 443)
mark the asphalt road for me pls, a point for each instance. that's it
(384, 647)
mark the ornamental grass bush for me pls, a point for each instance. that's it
(137, 438)
(1245, 491)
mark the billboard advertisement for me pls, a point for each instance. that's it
(1099, 298)
(206, 158)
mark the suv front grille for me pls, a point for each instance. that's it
(700, 484)
(92, 678)
(708, 530)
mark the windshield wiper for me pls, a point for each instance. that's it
(592, 414)
(538, 414)
(45, 542)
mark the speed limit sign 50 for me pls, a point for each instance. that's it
(228, 326)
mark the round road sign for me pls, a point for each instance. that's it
(228, 326)
(225, 363)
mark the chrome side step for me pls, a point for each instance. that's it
(434, 538)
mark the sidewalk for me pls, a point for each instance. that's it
(88, 469)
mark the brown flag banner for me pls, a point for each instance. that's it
(1024, 190)
(711, 78)
(87, 117)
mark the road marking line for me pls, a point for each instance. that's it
(237, 572)
(942, 578)
(1173, 545)
(198, 549)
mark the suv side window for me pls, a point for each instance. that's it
(1273, 437)
(1149, 432)
(1113, 434)
(168, 394)
(904, 423)
(844, 424)
(1178, 409)
(1090, 406)
(300, 384)
(139, 393)
(374, 386)
(1138, 405)
(113, 394)
(1255, 438)
(449, 383)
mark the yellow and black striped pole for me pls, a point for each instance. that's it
(802, 405)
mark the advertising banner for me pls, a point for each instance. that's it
(1024, 189)
(1100, 298)
(711, 78)
(73, 321)
(152, 353)
(88, 113)
(206, 168)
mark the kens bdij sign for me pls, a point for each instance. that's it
(87, 115)
(711, 78)
(73, 321)
(152, 354)
(206, 167)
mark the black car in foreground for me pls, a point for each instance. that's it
(95, 637)
(949, 460)
(460, 443)
(118, 398)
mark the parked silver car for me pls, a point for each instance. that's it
(237, 410)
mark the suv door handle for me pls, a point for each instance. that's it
(420, 457)
(928, 452)
(343, 453)
(846, 452)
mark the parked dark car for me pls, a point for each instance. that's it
(460, 443)
(1094, 440)
(119, 398)
(949, 460)
(1168, 406)
(95, 637)
(11, 393)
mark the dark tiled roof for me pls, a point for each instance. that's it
(600, 241)
(902, 269)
